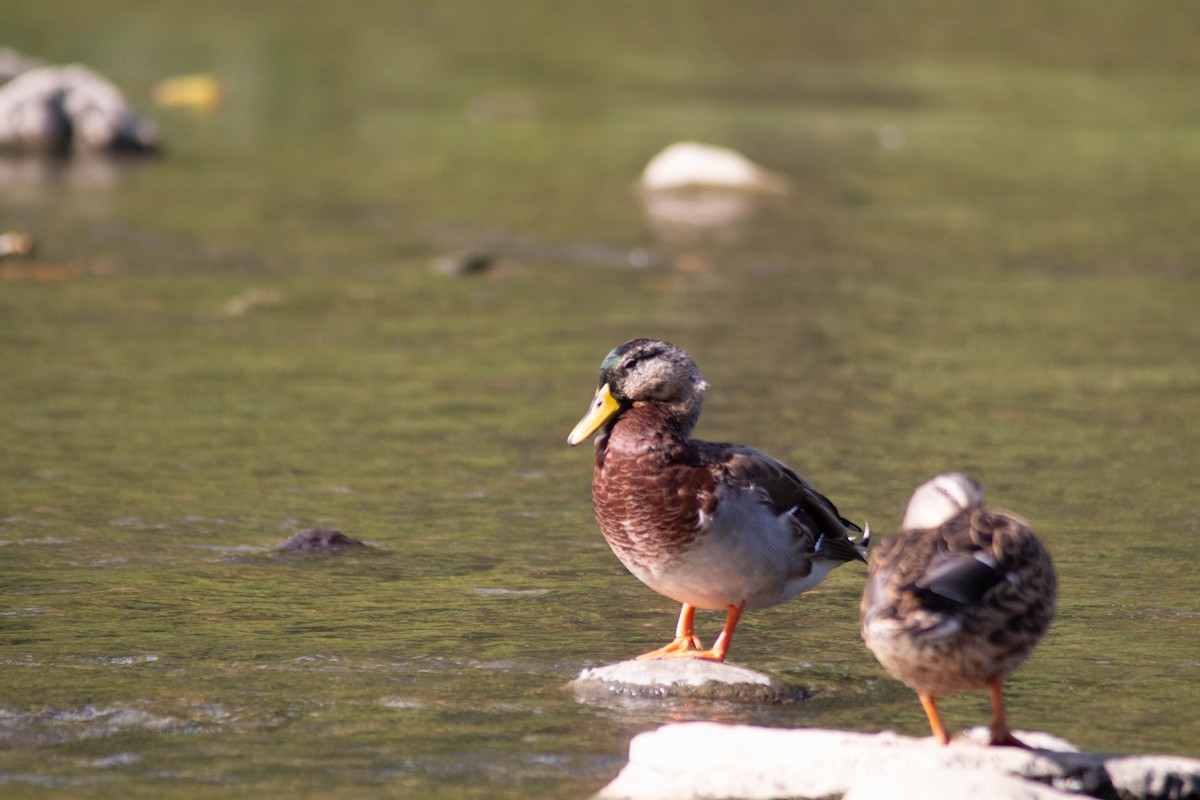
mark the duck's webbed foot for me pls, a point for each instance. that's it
(685, 643)
(685, 647)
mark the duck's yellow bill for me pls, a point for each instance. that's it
(602, 409)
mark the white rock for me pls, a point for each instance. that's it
(709, 760)
(31, 114)
(681, 677)
(51, 109)
(100, 115)
(951, 785)
(673, 672)
(689, 164)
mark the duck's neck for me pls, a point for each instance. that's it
(644, 428)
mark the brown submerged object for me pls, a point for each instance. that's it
(958, 598)
(714, 526)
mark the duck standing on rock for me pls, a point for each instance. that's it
(958, 598)
(720, 527)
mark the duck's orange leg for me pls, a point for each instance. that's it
(1001, 735)
(720, 646)
(685, 641)
(935, 722)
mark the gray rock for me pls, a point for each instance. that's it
(681, 677)
(709, 760)
(1155, 776)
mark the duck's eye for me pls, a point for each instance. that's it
(628, 364)
(946, 493)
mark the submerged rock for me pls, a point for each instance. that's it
(319, 539)
(681, 677)
(710, 760)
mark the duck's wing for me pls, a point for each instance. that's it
(788, 493)
(984, 566)
(962, 578)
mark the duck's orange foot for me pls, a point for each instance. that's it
(682, 647)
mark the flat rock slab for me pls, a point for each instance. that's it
(682, 677)
(710, 760)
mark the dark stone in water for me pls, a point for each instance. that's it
(319, 539)
(464, 265)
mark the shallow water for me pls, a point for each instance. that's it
(987, 262)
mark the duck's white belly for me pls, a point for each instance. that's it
(744, 556)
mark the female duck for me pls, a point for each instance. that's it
(715, 526)
(958, 598)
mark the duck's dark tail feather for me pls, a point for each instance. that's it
(840, 548)
(835, 542)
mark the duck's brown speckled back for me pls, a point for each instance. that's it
(945, 608)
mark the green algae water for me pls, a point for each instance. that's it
(988, 260)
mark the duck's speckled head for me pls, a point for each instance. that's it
(645, 371)
(940, 499)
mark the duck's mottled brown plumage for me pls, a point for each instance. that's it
(652, 488)
(950, 645)
(712, 525)
(957, 606)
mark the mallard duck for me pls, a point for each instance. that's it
(958, 598)
(713, 526)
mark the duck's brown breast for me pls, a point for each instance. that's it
(649, 488)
